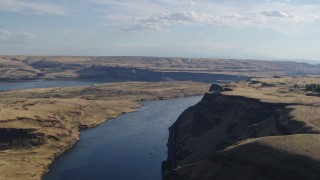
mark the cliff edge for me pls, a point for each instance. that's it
(259, 129)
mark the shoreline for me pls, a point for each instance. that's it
(96, 125)
(76, 108)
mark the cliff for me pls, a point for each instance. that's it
(15, 137)
(236, 135)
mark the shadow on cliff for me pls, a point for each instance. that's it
(13, 137)
(203, 132)
(250, 161)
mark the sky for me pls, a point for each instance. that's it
(237, 29)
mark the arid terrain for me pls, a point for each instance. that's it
(255, 128)
(86, 67)
(37, 125)
(67, 67)
(264, 128)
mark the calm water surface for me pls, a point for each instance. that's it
(6, 86)
(130, 147)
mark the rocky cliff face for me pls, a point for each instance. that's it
(236, 137)
(13, 137)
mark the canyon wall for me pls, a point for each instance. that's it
(236, 137)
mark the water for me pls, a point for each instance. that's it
(131, 146)
(6, 86)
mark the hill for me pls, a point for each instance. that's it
(82, 67)
(258, 129)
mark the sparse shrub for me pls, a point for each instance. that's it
(312, 87)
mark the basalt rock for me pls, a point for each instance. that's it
(13, 137)
(201, 141)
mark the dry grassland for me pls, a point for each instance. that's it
(37, 125)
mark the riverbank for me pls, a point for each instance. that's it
(37, 125)
(136, 151)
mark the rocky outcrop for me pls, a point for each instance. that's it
(215, 88)
(228, 137)
(14, 137)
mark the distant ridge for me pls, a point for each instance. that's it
(70, 67)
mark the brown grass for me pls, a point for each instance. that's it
(215, 66)
(287, 145)
(59, 113)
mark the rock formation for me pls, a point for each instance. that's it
(238, 137)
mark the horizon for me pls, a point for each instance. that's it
(312, 62)
(269, 30)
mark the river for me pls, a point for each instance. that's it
(7, 86)
(131, 146)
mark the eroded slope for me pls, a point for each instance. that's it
(262, 129)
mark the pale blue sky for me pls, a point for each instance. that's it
(256, 29)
